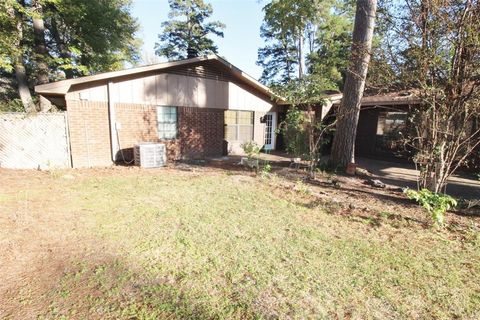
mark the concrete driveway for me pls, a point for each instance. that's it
(404, 175)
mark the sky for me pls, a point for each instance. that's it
(242, 33)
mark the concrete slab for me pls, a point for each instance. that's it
(405, 175)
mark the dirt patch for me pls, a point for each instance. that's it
(356, 197)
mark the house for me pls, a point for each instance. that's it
(382, 124)
(199, 107)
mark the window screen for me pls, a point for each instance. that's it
(167, 122)
(238, 125)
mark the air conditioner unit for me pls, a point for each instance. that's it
(150, 155)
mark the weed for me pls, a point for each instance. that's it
(301, 187)
(266, 169)
(386, 214)
(436, 204)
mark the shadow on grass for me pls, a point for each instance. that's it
(110, 289)
(100, 286)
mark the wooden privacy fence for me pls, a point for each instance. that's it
(33, 141)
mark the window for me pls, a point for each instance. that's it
(391, 122)
(238, 125)
(167, 122)
(391, 127)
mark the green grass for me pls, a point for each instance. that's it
(215, 246)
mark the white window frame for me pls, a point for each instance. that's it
(237, 125)
(162, 121)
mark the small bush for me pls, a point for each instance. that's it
(251, 149)
(435, 203)
(266, 169)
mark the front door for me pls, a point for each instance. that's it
(270, 126)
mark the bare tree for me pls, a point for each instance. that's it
(343, 149)
(444, 53)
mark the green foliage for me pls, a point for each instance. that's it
(333, 40)
(189, 32)
(297, 127)
(90, 36)
(301, 187)
(82, 36)
(312, 30)
(436, 204)
(14, 105)
(266, 169)
(251, 149)
(9, 36)
(285, 25)
(295, 133)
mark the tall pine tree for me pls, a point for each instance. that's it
(187, 30)
(343, 148)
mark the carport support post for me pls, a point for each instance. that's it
(112, 123)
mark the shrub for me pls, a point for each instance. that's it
(251, 149)
(267, 168)
(435, 203)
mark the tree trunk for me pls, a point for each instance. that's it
(20, 71)
(300, 56)
(40, 51)
(343, 149)
(22, 83)
(62, 48)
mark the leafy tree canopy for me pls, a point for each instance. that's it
(315, 31)
(58, 38)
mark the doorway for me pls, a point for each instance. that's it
(270, 126)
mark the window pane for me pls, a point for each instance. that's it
(231, 133)
(167, 122)
(245, 133)
(160, 117)
(245, 117)
(230, 117)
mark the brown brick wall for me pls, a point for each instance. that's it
(89, 133)
(200, 132)
(139, 124)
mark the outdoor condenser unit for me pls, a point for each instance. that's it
(150, 155)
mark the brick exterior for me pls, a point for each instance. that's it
(89, 133)
(200, 132)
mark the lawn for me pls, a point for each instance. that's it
(213, 244)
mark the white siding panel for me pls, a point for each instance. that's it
(161, 89)
(191, 95)
(124, 91)
(209, 94)
(149, 96)
(138, 90)
(231, 96)
(202, 93)
(171, 81)
(222, 94)
(178, 90)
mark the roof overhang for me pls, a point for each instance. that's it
(61, 88)
(384, 100)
